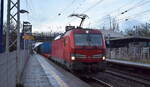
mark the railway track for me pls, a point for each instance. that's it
(130, 78)
(117, 79)
(102, 83)
(95, 82)
(128, 73)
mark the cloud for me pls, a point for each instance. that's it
(111, 7)
(54, 26)
(106, 1)
(92, 1)
(50, 27)
(58, 26)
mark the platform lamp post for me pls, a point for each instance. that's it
(19, 83)
(19, 64)
(22, 12)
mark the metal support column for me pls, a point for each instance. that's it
(18, 43)
(8, 25)
(13, 17)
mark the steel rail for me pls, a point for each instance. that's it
(145, 82)
(102, 82)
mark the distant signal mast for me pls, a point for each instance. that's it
(82, 16)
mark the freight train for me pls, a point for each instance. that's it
(80, 50)
(43, 48)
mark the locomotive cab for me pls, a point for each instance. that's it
(88, 49)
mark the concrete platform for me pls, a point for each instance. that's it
(41, 72)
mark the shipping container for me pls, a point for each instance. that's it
(45, 48)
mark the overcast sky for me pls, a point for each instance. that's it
(44, 13)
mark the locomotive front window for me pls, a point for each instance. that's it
(88, 39)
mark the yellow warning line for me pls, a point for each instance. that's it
(47, 68)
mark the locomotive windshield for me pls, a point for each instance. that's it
(88, 39)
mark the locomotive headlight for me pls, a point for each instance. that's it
(104, 57)
(73, 58)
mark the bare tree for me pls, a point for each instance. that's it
(12, 34)
(141, 30)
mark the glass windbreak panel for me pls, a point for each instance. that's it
(88, 39)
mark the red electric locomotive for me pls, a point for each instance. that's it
(80, 49)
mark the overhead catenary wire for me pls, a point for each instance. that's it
(128, 17)
(31, 9)
(73, 1)
(75, 10)
(88, 9)
(100, 1)
(126, 4)
(67, 7)
(138, 4)
(28, 8)
(62, 12)
(116, 10)
(133, 7)
(134, 16)
(123, 6)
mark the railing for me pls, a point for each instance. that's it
(10, 67)
(132, 53)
